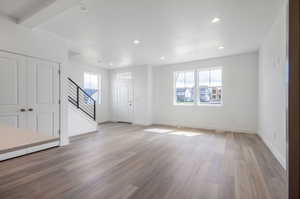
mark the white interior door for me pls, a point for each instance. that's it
(12, 90)
(123, 97)
(43, 97)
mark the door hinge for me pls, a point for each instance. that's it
(59, 72)
(59, 101)
(59, 132)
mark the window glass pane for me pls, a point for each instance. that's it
(189, 80)
(204, 94)
(203, 78)
(184, 87)
(94, 82)
(216, 77)
(85, 80)
(210, 86)
(179, 79)
(91, 85)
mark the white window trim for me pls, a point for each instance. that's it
(196, 87)
(211, 105)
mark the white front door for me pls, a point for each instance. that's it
(43, 97)
(123, 98)
(12, 90)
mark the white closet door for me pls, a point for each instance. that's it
(12, 90)
(43, 97)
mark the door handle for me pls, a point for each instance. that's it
(30, 109)
(22, 110)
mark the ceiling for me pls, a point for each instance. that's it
(19, 9)
(178, 30)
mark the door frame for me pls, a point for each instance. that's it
(60, 94)
(294, 100)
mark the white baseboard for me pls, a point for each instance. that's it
(105, 122)
(20, 152)
(277, 155)
(207, 128)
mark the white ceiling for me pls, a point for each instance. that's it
(19, 9)
(179, 30)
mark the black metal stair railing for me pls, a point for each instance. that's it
(79, 98)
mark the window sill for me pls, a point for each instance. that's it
(211, 105)
(175, 104)
(208, 105)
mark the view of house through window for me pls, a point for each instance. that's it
(185, 87)
(92, 86)
(208, 86)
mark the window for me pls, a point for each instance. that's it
(92, 86)
(210, 86)
(124, 76)
(184, 87)
(205, 88)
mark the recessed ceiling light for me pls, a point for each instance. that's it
(162, 58)
(110, 64)
(136, 42)
(215, 20)
(221, 47)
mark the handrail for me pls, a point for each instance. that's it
(83, 100)
(81, 89)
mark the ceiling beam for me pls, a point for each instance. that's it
(41, 16)
(11, 19)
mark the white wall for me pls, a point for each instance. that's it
(78, 123)
(239, 110)
(273, 82)
(19, 39)
(77, 71)
(37, 43)
(142, 84)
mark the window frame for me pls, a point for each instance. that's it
(99, 79)
(196, 97)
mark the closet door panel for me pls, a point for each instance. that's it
(12, 90)
(43, 96)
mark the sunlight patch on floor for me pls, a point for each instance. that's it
(172, 132)
(185, 133)
(158, 130)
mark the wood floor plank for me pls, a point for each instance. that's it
(124, 161)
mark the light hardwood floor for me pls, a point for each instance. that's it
(126, 162)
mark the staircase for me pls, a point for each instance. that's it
(81, 100)
(81, 110)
